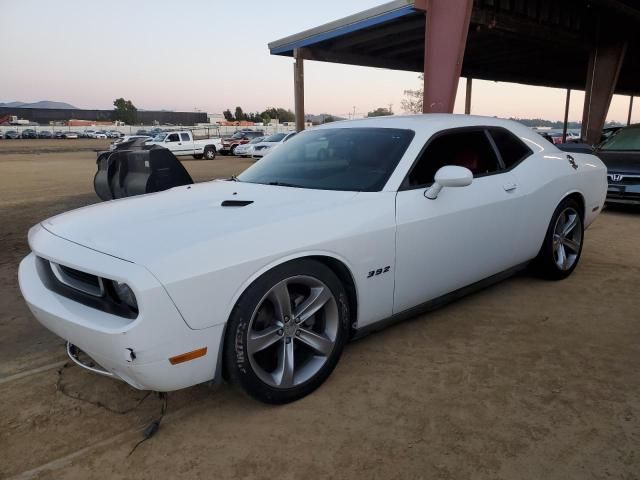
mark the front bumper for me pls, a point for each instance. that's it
(623, 194)
(155, 335)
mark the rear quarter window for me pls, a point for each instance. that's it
(511, 148)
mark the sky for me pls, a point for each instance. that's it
(210, 55)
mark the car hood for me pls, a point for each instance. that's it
(143, 228)
(620, 162)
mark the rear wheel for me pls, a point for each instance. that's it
(287, 332)
(209, 153)
(562, 246)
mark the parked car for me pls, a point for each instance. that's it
(114, 134)
(270, 143)
(58, 134)
(143, 132)
(100, 134)
(45, 134)
(181, 143)
(11, 135)
(620, 152)
(345, 227)
(126, 138)
(246, 150)
(607, 132)
(70, 135)
(239, 138)
(29, 133)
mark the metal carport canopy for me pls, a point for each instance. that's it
(535, 42)
(590, 45)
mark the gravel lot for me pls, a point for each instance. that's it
(527, 379)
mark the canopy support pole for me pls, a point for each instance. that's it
(298, 88)
(605, 63)
(446, 28)
(566, 116)
(467, 101)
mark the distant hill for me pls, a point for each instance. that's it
(40, 104)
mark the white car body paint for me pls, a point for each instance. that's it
(188, 259)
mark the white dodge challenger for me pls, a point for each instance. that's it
(341, 230)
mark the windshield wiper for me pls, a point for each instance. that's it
(284, 184)
(233, 178)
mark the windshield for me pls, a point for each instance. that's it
(276, 137)
(160, 137)
(238, 135)
(349, 159)
(625, 139)
(257, 140)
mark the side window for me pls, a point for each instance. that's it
(184, 137)
(173, 138)
(469, 148)
(511, 148)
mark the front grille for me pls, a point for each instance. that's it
(81, 276)
(622, 179)
(82, 281)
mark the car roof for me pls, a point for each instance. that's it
(429, 121)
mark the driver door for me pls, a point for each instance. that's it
(464, 235)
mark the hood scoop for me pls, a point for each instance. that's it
(236, 203)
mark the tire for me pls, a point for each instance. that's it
(210, 153)
(233, 150)
(257, 364)
(562, 247)
(198, 156)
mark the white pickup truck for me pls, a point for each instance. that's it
(181, 143)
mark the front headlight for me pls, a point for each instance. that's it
(125, 295)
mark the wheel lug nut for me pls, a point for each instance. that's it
(288, 339)
(280, 332)
(297, 333)
(286, 319)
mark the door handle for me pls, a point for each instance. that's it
(509, 187)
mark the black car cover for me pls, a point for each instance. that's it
(134, 169)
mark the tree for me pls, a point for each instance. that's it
(286, 115)
(412, 103)
(280, 114)
(125, 111)
(240, 116)
(380, 112)
(266, 119)
(228, 116)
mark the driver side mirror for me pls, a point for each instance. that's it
(449, 176)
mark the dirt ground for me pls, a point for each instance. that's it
(527, 379)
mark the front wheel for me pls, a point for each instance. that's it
(209, 153)
(562, 245)
(287, 332)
